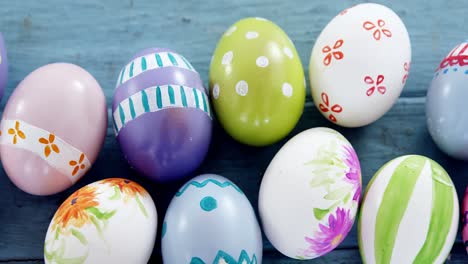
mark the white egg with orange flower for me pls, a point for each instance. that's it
(109, 221)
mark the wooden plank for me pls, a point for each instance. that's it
(25, 218)
(102, 36)
(342, 256)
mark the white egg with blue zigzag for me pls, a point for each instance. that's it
(210, 220)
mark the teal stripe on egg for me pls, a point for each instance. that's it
(141, 100)
(144, 101)
(170, 91)
(158, 60)
(195, 95)
(122, 76)
(186, 62)
(158, 97)
(131, 69)
(122, 114)
(184, 98)
(146, 63)
(132, 108)
(196, 184)
(172, 59)
(143, 63)
(205, 107)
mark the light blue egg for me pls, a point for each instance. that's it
(447, 99)
(210, 220)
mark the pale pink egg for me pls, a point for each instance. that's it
(52, 128)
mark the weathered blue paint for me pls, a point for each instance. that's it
(101, 35)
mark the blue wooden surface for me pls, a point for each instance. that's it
(101, 37)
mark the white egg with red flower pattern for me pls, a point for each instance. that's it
(359, 65)
(109, 221)
(310, 194)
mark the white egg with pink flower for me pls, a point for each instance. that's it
(310, 193)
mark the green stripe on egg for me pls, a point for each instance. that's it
(394, 204)
(409, 213)
(442, 214)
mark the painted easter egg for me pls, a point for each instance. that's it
(409, 213)
(465, 220)
(359, 65)
(310, 194)
(3, 66)
(210, 220)
(52, 128)
(109, 221)
(257, 82)
(446, 101)
(162, 115)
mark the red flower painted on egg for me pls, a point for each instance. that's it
(377, 84)
(406, 67)
(333, 52)
(325, 107)
(378, 29)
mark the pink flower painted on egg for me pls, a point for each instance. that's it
(330, 235)
(376, 84)
(465, 220)
(353, 174)
(406, 67)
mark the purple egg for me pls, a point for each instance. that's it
(161, 114)
(3, 66)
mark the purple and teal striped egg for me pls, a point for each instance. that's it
(162, 117)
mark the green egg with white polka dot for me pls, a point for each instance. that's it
(257, 83)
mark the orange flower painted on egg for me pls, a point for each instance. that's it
(16, 132)
(78, 164)
(127, 187)
(50, 146)
(73, 210)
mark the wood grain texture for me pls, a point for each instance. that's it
(102, 36)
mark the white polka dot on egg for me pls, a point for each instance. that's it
(251, 35)
(262, 61)
(287, 89)
(216, 91)
(288, 52)
(227, 58)
(230, 31)
(260, 18)
(242, 88)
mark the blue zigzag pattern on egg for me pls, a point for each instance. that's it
(205, 182)
(243, 259)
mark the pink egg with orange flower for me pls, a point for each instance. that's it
(52, 128)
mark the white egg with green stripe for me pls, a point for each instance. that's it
(409, 213)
